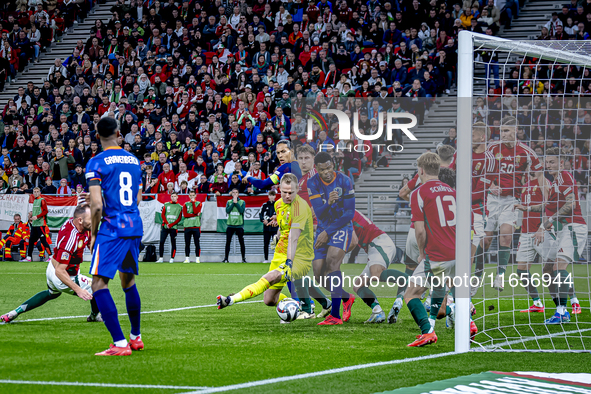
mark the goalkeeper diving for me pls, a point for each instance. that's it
(294, 251)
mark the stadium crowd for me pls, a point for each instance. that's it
(204, 90)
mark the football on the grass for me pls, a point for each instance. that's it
(288, 309)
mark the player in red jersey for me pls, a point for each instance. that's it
(435, 203)
(513, 161)
(482, 162)
(563, 214)
(532, 241)
(411, 252)
(381, 251)
(63, 271)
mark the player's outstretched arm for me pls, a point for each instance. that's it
(62, 274)
(263, 184)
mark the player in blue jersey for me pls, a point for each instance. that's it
(115, 184)
(287, 163)
(333, 199)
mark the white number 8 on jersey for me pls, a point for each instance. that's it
(125, 193)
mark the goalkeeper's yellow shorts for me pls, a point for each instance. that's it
(300, 268)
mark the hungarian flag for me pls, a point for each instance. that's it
(252, 221)
(59, 209)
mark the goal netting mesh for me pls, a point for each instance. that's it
(546, 87)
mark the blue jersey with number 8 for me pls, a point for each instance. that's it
(119, 174)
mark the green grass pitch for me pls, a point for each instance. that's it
(204, 347)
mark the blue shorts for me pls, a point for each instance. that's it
(341, 239)
(115, 254)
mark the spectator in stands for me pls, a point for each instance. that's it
(59, 166)
(64, 190)
(451, 138)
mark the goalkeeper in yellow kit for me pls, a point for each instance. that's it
(294, 251)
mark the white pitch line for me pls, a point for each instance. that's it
(113, 385)
(125, 314)
(319, 373)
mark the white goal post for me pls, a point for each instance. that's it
(554, 52)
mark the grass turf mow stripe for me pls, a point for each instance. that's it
(113, 385)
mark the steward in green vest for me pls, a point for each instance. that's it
(235, 209)
(171, 216)
(192, 223)
(38, 215)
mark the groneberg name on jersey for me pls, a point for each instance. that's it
(121, 160)
(441, 189)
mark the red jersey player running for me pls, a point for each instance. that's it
(513, 161)
(63, 271)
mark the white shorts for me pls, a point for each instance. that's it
(412, 247)
(527, 248)
(439, 269)
(500, 211)
(55, 285)
(564, 244)
(380, 251)
(581, 233)
(478, 228)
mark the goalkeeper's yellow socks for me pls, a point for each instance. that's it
(251, 291)
(504, 255)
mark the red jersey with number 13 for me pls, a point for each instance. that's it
(434, 203)
(512, 166)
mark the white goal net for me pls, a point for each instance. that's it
(525, 114)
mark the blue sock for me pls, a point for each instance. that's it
(292, 291)
(106, 305)
(336, 292)
(134, 307)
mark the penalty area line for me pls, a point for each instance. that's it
(125, 314)
(319, 373)
(112, 385)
